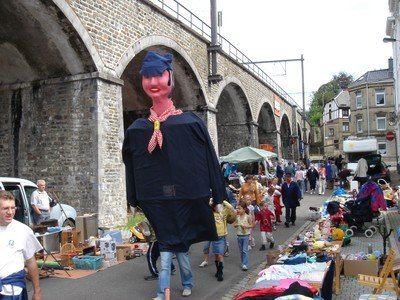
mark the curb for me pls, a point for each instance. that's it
(245, 282)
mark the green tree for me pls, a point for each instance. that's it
(326, 93)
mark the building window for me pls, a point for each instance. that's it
(359, 125)
(346, 127)
(336, 143)
(382, 148)
(358, 100)
(345, 112)
(380, 97)
(331, 132)
(330, 114)
(381, 123)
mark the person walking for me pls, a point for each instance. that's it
(312, 176)
(153, 252)
(290, 169)
(291, 196)
(361, 171)
(18, 246)
(279, 172)
(266, 217)
(243, 224)
(322, 180)
(300, 176)
(277, 199)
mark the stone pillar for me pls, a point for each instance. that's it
(110, 184)
(254, 134)
(211, 123)
(279, 144)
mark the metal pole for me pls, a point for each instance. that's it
(397, 153)
(304, 107)
(214, 35)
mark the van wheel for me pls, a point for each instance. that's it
(68, 222)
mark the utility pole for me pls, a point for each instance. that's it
(301, 59)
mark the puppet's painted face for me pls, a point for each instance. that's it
(157, 87)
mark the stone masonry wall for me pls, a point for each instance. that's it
(111, 187)
(6, 153)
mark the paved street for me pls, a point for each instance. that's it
(125, 281)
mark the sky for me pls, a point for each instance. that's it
(333, 35)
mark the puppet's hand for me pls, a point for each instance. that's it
(133, 210)
(219, 208)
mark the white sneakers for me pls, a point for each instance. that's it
(203, 264)
(186, 292)
(244, 268)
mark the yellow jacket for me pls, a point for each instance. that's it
(220, 219)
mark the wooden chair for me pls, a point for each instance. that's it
(380, 282)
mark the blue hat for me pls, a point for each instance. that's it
(154, 64)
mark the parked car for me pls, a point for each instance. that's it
(377, 168)
(22, 190)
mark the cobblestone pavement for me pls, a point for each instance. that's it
(349, 287)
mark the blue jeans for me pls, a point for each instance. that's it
(301, 185)
(164, 277)
(243, 242)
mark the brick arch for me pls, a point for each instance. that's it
(234, 118)
(157, 40)
(286, 134)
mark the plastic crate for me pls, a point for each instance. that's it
(88, 262)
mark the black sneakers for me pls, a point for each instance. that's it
(271, 245)
(262, 248)
(151, 277)
(287, 224)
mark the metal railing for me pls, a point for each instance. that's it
(189, 19)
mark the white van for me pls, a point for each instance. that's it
(22, 190)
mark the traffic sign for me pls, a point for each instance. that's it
(390, 135)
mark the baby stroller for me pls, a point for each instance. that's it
(363, 209)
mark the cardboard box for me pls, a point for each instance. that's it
(108, 249)
(355, 267)
(87, 225)
(123, 252)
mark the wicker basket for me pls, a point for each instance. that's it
(67, 253)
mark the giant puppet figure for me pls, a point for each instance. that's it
(171, 169)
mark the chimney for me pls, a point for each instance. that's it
(390, 65)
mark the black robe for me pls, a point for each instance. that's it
(173, 185)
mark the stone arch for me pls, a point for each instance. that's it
(299, 134)
(267, 129)
(39, 42)
(187, 94)
(234, 117)
(84, 34)
(286, 138)
(155, 40)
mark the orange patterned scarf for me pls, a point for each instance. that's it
(157, 137)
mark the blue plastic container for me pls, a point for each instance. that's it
(86, 262)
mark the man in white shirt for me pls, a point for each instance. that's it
(18, 246)
(361, 171)
(40, 203)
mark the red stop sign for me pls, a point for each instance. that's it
(390, 135)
